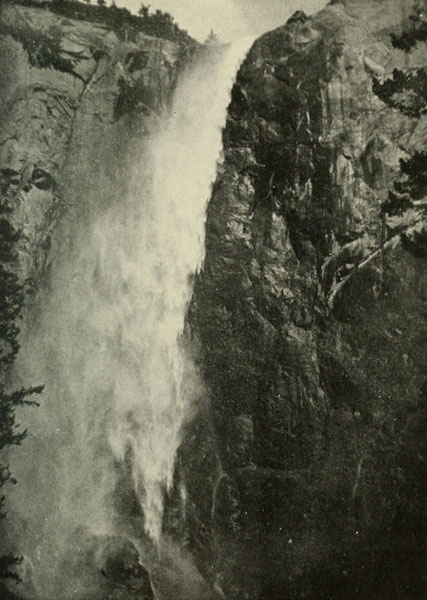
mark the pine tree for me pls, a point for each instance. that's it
(11, 305)
(406, 91)
(144, 11)
(212, 39)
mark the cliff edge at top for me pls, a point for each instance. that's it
(70, 88)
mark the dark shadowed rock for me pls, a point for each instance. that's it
(299, 16)
(119, 563)
(312, 324)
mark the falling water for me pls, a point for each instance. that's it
(118, 383)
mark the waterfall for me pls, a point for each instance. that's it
(118, 382)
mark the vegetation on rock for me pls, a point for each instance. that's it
(120, 20)
(43, 48)
(212, 39)
(11, 305)
(406, 91)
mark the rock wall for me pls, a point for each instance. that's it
(70, 92)
(309, 321)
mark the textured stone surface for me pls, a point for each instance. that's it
(312, 329)
(66, 132)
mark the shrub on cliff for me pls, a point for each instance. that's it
(43, 48)
(11, 305)
(406, 91)
(125, 25)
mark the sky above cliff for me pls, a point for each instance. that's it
(230, 19)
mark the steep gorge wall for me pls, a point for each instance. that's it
(311, 325)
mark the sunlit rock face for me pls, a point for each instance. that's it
(305, 480)
(63, 119)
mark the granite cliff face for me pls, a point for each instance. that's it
(69, 90)
(303, 472)
(310, 319)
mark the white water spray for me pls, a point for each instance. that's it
(118, 384)
(166, 251)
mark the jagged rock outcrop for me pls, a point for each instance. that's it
(311, 327)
